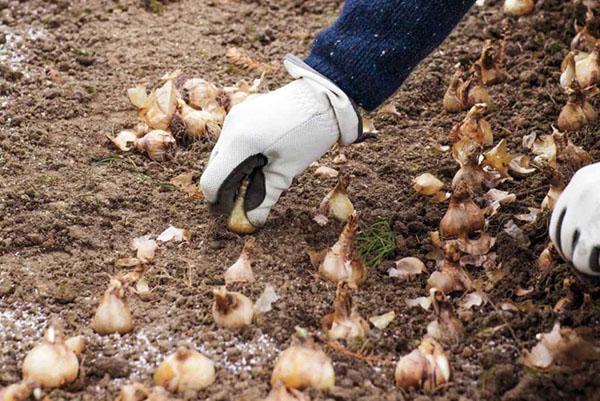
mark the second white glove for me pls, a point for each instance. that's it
(575, 223)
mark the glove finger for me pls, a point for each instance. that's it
(275, 183)
(557, 221)
(221, 180)
(569, 234)
(586, 257)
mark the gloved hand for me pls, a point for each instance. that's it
(575, 222)
(274, 137)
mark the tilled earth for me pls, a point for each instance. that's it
(69, 206)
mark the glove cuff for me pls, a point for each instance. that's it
(346, 113)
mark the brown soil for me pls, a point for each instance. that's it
(66, 217)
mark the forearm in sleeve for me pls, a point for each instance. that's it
(375, 44)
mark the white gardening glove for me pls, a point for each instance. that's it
(274, 137)
(575, 222)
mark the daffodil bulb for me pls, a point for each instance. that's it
(474, 90)
(578, 111)
(237, 221)
(160, 106)
(463, 216)
(585, 40)
(450, 278)
(518, 8)
(51, 363)
(426, 368)
(344, 323)
(336, 203)
(231, 310)
(552, 196)
(18, 391)
(302, 366)
(185, 370)
(241, 270)
(491, 71)
(201, 93)
(452, 102)
(474, 127)
(281, 393)
(156, 144)
(113, 315)
(587, 70)
(341, 262)
(446, 327)
(199, 123)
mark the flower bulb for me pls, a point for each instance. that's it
(341, 262)
(237, 221)
(157, 144)
(113, 315)
(344, 323)
(231, 310)
(241, 270)
(426, 368)
(51, 363)
(304, 365)
(185, 370)
(336, 203)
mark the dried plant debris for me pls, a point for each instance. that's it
(265, 301)
(561, 346)
(240, 58)
(383, 321)
(407, 267)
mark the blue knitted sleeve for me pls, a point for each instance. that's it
(375, 44)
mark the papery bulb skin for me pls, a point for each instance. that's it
(567, 71)
(160, 107)
(51, 363)
(304, 366)
(231, 310)
(185, 370)
(200, 124)
(587, 70)
(202, 94)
